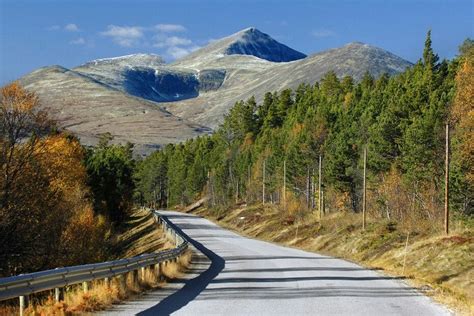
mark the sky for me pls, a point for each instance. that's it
(37, 33)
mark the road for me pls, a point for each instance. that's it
(234, 275)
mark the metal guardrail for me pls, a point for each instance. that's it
(25, 284)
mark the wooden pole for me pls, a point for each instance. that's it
(308, 189)
(364, 198)
(446, 185)
(263, 182)
(405, 255)
(160, 199)
(248, 180)
(168, 195)
(284, 183)
(313, 186)
(247, 190)
(237, 192)
(322, 201)
(320, 209)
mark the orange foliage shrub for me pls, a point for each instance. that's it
(83, 238)
(409, 205)
(462, 116)
(295, 207)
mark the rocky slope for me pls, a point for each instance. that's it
(247, 76)
(90, 108)
(139, 98)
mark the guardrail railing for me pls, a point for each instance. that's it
(25, 284)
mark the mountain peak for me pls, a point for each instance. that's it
(249, 29)
(356, 44)
(251, 41)
(247, 42)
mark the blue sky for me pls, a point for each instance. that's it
(40, 33)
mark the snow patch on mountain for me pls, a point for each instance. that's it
(133, 60)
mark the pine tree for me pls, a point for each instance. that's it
(429, 57)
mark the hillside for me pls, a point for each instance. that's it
(90, 108)
(140, 99)
(354, 59)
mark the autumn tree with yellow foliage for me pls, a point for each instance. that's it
(46, 218)
(462, 121)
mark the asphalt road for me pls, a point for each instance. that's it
(234, 275)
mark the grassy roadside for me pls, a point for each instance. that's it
(442, 267)
(139, 234)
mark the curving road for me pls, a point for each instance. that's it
(234, 275)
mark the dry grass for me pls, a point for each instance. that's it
(141, 236)
(138, 235)
(177, 269)
(445, 265)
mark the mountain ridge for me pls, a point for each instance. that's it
(191, 95)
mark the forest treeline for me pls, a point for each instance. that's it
(400, 120)
(59, 202)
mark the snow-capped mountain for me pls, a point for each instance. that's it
(140, 98)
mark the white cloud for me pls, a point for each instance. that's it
(179, 52)
(157, 36)
(176, 47)
(71, 27)
(165, 41)
(78, 41)
(322, 33)
(169, 28)
(126, 36)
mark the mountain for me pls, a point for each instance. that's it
(248, 42)
(253, 42)
(142, 75)
(354, 59)
(90, 108)
(146, 76)
(140, 98)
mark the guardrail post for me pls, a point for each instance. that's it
(23, 304)
(122, 281)
(133, 275)
(57, 294)
(142, 274)
(107, 282)
(85, 286)
(158, 271)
